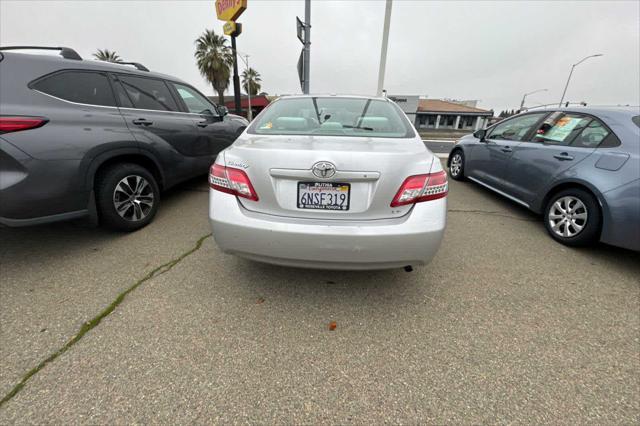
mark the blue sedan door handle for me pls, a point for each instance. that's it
(563, 156)
(506, 149)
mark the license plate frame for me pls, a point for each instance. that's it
(331, 207)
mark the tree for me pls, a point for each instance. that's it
(251, 81)
(214, 59)
(107, 55)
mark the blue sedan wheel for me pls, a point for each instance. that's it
(456, 165)
(573, 217)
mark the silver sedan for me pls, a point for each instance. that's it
(329, 182)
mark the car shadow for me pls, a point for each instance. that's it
(501, 205)
(60, 238)
(388, 287)
(496, 200)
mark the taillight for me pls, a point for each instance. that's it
(15, 124)
(419, 188)
(232, 181)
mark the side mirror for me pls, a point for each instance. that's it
(222, 110)
(480, 134)
(208, 114)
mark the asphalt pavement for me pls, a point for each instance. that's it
(504, 326)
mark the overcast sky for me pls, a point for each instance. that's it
(490, 51)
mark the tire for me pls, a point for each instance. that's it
(116, 188)
(456, 165)
(581, 225)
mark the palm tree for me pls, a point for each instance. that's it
(214, 59)
(107, 55)
(251, 81)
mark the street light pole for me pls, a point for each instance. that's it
(530, 93)
(245, 59)
(385, 43)
(571, 73)
(250, 112)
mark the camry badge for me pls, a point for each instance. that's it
(323, 169)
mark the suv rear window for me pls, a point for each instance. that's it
(148, 93)
(78, 86)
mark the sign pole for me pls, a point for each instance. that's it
(385, 43)
(307, 46)
(229, 11)
(236, 78)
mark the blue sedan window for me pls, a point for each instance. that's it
(560, 128)
(516, 128)
(592, 135)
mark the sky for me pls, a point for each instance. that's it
(490, 51)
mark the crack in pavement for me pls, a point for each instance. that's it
(492, 213)
(92, 323)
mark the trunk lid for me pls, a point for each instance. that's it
(373, 168)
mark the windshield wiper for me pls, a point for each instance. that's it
(346, 126)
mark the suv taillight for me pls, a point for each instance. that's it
(232, 181)
(419, 188)
(15, 124)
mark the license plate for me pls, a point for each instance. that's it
(323, 195)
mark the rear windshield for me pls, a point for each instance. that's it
(332, 116)
(636, 120)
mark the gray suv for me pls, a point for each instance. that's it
(99, 140)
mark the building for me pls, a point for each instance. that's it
(447, 115)
(408, 104)
(258, 103)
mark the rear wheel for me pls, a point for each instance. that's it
(456, 165)
(127, 196)
(573, 217)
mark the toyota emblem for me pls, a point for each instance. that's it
(323, 169)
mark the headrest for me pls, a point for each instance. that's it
(331, 125)
(290, 123)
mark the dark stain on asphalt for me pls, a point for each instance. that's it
(92, 323)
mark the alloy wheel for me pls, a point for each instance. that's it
(568, 216)
(133, 198)
(456, 164)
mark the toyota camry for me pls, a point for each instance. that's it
(329, 182)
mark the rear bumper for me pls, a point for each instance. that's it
(38, 191)
(621, 226)
(330, 244)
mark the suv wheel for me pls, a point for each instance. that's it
(127, 196)
(456, 165)
(573, 217)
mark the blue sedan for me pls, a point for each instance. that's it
(579, 167)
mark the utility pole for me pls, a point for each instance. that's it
(571, 73)
(385, 43)
(307, 46)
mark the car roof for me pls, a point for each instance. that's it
(621, 111)
(63, 63)
(334, 95)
